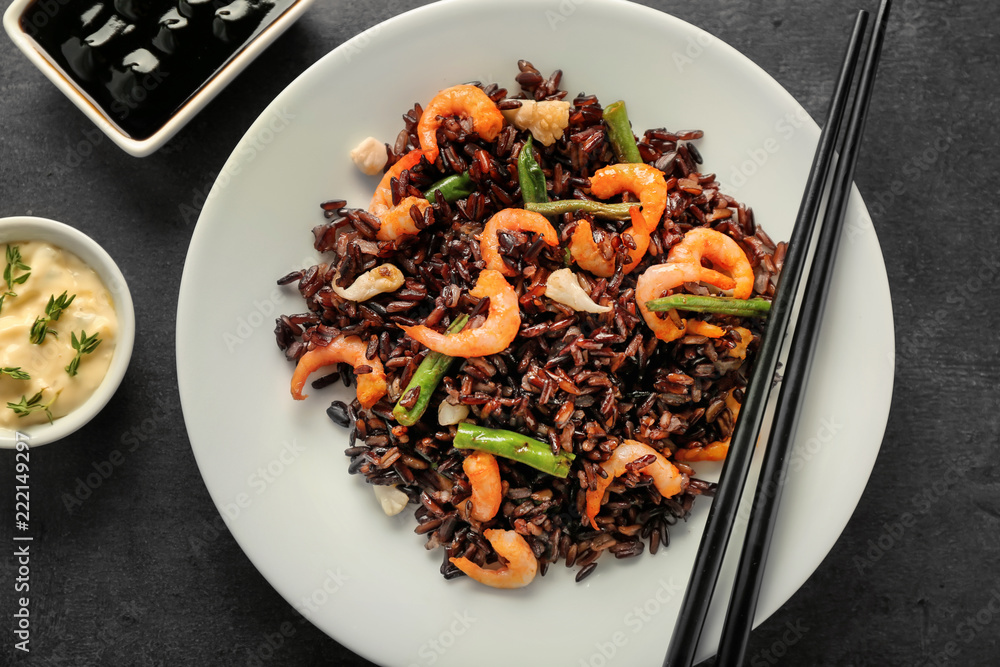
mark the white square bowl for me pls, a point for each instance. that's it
(143, 147)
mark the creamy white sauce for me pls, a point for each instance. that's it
(53, 271)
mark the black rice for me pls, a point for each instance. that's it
(580, 382)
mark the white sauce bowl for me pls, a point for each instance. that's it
(26, 228)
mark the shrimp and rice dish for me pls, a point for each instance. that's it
(550, 322)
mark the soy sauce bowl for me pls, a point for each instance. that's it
(142, 70)
(70, 239)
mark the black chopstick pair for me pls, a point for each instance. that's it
(711, 552)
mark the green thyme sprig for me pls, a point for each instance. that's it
(53, 310)
(83, 345)
(15, 372)
(14, 263)
(26, 406)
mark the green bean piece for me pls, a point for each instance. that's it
(452, 188)
(722, 305)
(530, 176)
(599, 209)
(514, 446)
(620, 133)
(425, 380)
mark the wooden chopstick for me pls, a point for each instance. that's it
(722, 514)
(750, 572)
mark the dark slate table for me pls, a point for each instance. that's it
(143, 572)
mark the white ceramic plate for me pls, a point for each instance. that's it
(275, 467)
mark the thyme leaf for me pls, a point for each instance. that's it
(53, 309)
(15, 372)
(14, 263)
(26, 406)
(83, 345)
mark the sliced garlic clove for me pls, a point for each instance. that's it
(564, 286)
(369, 156)
(449, 414)
(391, 499)
(381, 279)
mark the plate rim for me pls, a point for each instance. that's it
(776, 88)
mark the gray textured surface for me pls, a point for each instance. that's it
(143, 572)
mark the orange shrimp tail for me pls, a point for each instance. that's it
(640, 232)
(594, 498)
(702, 328)
(586, 253)
(484, 476)
(494, 336)
(666, 478)
(713, 451)
(397, 221)
(512, 219)
(521, 567)
(662, 277)
(463, 100)
(351, 350)
(725, 254)
(746, 337)
(642, 180)
(382, 199)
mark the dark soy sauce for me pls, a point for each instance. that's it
(139, 61)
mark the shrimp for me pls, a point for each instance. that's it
(740, 351)
(725, 253)
(463, 100)
(396, 220)
(382, 199)
(521, 564)
(514, 219)
(484, 477)
(588, 255)
(669, 481)
(497, 332)
(701, 328)
(640, 179)
(350, 349)
(660, 277)
(713, 451)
